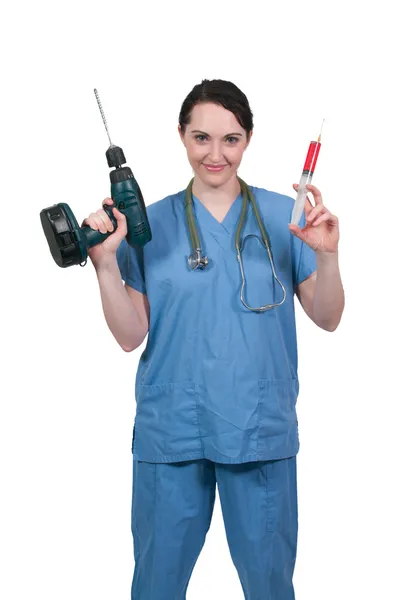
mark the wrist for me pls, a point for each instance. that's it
(327, 252)
(105, 265)
(323, 257)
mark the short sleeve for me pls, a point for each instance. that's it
(304, 258)
(131, 265)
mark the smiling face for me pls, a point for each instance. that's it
(215, 143)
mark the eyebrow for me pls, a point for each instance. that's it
(204, 133)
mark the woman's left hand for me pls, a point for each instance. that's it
(321, 230)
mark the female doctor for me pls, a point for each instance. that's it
(217, 383)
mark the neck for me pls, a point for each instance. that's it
(223, 195)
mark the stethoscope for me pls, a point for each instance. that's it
(197, 261)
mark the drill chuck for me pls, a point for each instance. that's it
(115, 156)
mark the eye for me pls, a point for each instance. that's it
(200, 136)
(233, 138)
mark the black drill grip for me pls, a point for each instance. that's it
(108, 209)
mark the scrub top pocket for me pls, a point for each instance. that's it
(278, 429)
(166, 420)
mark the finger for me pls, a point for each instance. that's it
(315, 213)
(321, 219)
(105, 218)
(308, 207)
(296, 187)
(296, 231)
(100, 225)
(294, 228)
(313, 189)
(315, 192)
(121, 221)
(108, 201)
(331, 219)
(119, 215)
(91, 221)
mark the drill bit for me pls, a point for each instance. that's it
(319, 137)
(103, 116)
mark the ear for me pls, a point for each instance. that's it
(181, 134)
(249, 138)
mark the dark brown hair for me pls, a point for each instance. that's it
(224, 93)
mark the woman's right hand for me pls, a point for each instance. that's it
(105, 252)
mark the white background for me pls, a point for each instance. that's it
(67, 403)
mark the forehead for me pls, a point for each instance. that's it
(213, 119)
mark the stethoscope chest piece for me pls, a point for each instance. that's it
(197, 261)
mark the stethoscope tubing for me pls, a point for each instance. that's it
(196, 260)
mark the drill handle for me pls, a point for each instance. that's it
(93, 236)
(127, 195)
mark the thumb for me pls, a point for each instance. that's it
(121, 220)
(120, 217)
(295, 230)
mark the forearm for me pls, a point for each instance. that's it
(120, 314)
(328, 304)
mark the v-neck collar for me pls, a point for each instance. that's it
(227, 225)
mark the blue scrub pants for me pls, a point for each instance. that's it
(172, 506)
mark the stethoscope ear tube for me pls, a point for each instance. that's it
(263, 231)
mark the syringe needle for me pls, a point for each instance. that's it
(319, 137)
(103, 116)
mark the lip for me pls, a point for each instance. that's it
(214, 169)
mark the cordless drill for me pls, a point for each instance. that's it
(69, 243)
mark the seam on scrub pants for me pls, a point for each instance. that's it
(269, 521)
(155, 524)
(134, 530)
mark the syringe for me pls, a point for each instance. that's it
(306, 177)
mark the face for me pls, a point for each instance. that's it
(215, 143)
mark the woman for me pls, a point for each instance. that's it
(217, 383)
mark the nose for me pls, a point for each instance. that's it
(215, 154)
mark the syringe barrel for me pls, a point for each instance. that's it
(301, 197)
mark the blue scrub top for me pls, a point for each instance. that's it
(216, 380)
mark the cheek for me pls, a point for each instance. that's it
(195, 153)
(234, 155)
